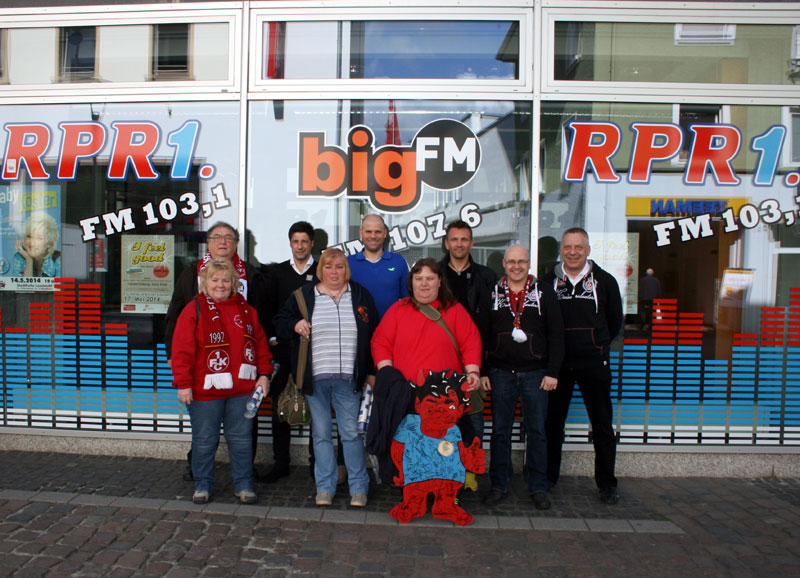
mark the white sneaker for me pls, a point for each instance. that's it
(200, 497)
(324, 498)
(358, 500)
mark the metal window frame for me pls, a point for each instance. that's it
(663, 13)
(230, 13)
(518, 10)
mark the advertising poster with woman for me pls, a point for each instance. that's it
(30, 238)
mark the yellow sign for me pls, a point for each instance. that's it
(672, 207)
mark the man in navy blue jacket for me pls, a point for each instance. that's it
(591, 307)
(524, 346)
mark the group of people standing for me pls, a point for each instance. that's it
(372, 322)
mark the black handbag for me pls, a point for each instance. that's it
(292, 404)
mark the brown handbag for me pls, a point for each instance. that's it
(292, 404)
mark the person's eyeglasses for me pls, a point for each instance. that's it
(513, 262)
(217, 238)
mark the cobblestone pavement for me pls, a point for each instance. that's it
(70, 515)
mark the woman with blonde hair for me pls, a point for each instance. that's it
(341, 318)
(36, 254)
(219, 356)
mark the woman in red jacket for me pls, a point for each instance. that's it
(219, 356)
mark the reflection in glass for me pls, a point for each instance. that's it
(77, 53)
(413, 49)
(500, 190)
(680, 53)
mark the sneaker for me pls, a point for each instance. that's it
(200, 497)
(324, 498)
(358, 500)
(187, 474)
(276, 473)
(247, 496)
(540, 500)
(609, 495)
(493, 498)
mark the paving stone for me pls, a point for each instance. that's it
(655, 527)
(609, 526)
(562, 524)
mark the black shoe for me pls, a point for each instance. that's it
(187, 474)
(609, 496)
(493, 498)
(276, 473)
(540, 500)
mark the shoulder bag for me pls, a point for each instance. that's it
(292, 404)
(476, 397)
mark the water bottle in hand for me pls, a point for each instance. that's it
(251, 407)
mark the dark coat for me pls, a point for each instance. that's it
(592, 314)
(366, 316)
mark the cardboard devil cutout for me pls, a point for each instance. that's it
(429, 454)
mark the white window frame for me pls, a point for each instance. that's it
(263, 12)
(724, 117)
(664, 13)
(688, 34)
(229, 13)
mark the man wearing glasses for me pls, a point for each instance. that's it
(524, 348)
(222, 240)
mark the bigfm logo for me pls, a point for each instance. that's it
(444, 154)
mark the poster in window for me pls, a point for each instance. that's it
(30, 238)
(734, 286)
(147, 273)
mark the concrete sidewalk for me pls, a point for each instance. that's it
(73, 515)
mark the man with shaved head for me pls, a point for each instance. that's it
(524, 352)
(383, 273)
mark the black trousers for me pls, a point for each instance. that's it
(281, 431)
(595, 385)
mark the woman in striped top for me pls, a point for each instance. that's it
(342, 318)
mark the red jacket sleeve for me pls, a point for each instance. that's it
(184, 347)
(385, 335)
(263, 354)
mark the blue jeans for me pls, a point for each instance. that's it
(339, 394)
(206, 418)
(507, 386)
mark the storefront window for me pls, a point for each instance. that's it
(719, 230)
(412, 49)
(157, 172)
(482, 176)
(675, 53)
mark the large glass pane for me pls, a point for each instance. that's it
(720, 231)
(494, 196)
(679, 53)
(413, 49)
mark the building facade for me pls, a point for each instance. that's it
(670, 131)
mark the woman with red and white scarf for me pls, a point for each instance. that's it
(219, 356)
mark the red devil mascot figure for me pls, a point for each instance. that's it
(429, 454)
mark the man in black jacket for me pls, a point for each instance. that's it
(280, 281)
(525, 348)
(591, 307)
(472, 285)
(222, 240)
